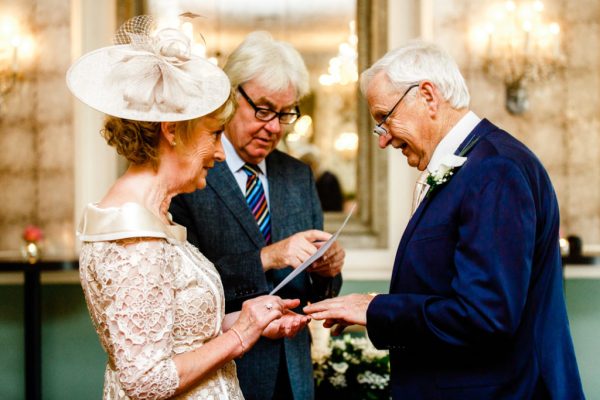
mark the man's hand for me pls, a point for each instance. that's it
(288, 325)
(331, 263)
(292, 251)
(344, 311)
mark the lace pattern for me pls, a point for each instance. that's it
(150, 299)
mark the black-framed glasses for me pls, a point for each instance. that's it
(379, 130)
(266, 114)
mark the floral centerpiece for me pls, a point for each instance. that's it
(351, 368)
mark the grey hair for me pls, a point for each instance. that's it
(418, 61)
(274, 64)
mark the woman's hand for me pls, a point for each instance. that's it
(257, 314)
(288, 325)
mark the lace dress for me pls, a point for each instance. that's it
(151, 295)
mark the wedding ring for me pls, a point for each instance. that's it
(269, 306)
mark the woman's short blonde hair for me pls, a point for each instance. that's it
(137, 141)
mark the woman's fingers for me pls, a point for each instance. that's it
(288, 325)
(290, 303)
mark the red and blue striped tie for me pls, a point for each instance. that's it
(255, 197)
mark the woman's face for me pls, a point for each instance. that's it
(199, 154)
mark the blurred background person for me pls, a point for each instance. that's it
(328, 185)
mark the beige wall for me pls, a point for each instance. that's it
(42, 126)
(36, 133)
(563, 124)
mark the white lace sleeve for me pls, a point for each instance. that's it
(130, 292)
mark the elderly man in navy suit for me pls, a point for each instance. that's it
(476, 307)
(259, 216)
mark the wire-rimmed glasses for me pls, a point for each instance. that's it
(379, 130)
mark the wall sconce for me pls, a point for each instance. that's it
(13, 46)
(519, 47)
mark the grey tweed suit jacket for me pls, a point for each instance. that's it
(221, 225)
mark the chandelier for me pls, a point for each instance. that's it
(343, 68)
(519, 47)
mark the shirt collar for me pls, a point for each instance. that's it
(234, 161)
(450, 143)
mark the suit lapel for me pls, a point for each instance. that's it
(482, 129)
(222, 181)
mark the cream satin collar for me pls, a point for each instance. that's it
(130, 220)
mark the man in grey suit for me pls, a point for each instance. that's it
(260, 215)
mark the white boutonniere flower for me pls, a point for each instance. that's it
(445, 171)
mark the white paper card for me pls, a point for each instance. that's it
(314, 257)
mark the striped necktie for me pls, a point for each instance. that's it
(255, 197)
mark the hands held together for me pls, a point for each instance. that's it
(271, 316)
(268, 316)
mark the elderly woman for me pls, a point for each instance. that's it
(156, 302)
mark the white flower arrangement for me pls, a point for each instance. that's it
(445, 171)
(349, 367)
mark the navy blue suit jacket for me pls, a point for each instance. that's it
(476, 307)
(221, 225)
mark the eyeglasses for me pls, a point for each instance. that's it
(266, 114)
(379, 130)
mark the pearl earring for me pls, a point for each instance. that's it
(173, 143)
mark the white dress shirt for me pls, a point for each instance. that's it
(453, 139)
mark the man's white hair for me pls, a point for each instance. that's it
(274, 64)
(418, 61)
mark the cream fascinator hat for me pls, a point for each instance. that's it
(148, 76)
